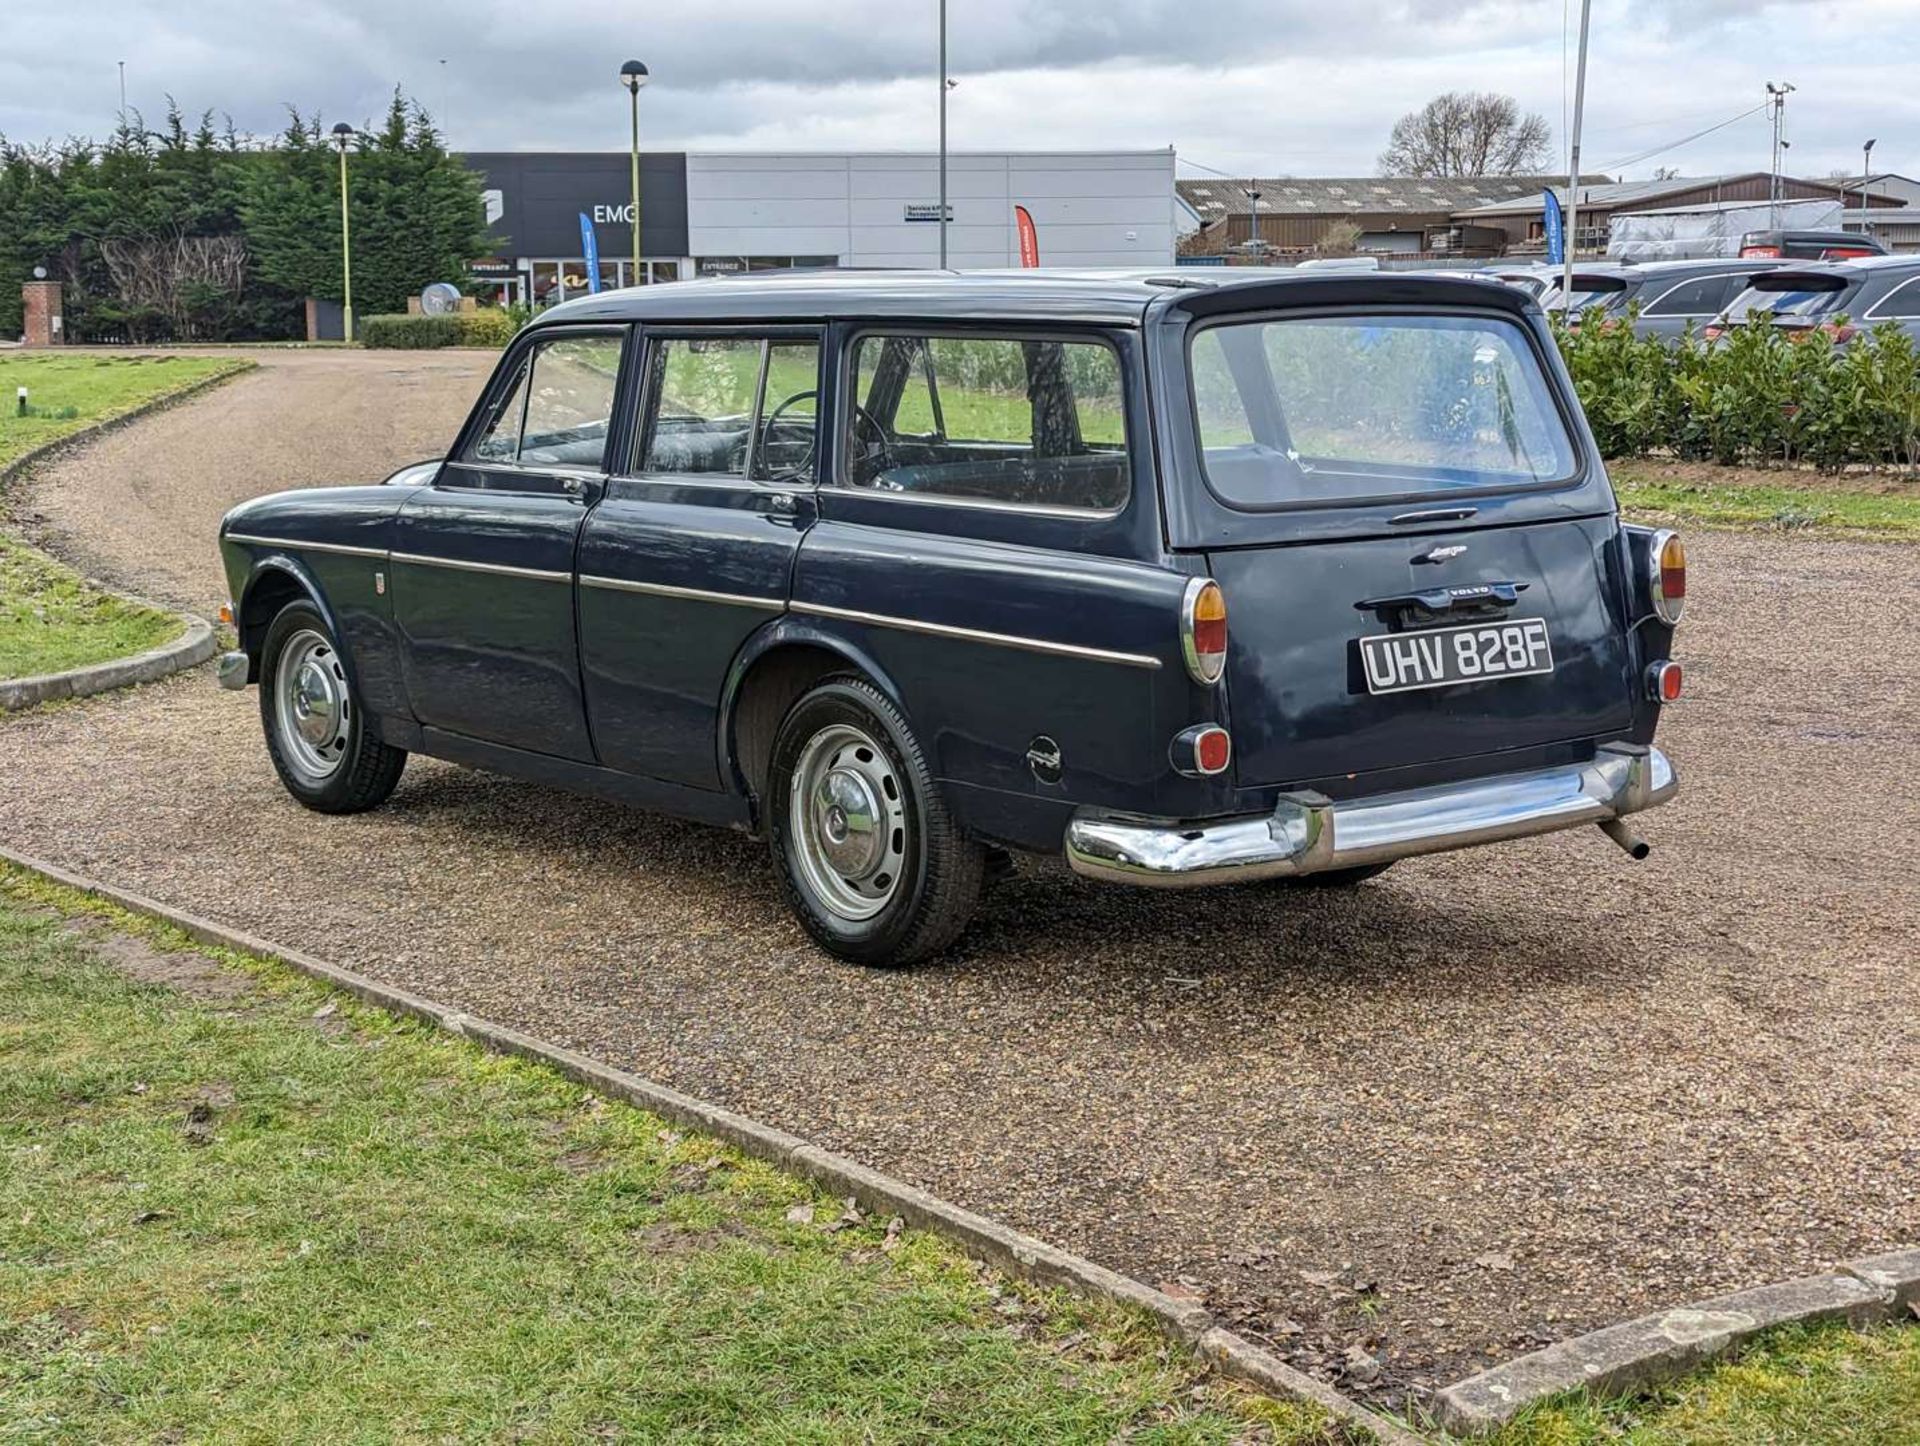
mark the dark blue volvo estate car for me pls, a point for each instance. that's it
(1194, 582)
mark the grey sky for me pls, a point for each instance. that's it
(1293, 86)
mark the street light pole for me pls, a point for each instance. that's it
(1777, 102)
(342, 137)
(1866, 179)
(633, 75)
(943, 135)
(1573, 156)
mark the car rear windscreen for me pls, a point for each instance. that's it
(1608, 292)
(1792, 294)
(1370, 406)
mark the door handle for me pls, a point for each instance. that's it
(1480, 597)
(782, 504)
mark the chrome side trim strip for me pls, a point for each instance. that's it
(975, 635)
(696, 594)
(1308, 833)
(499, 569)
(294, 542)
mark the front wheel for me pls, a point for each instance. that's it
(867, 855)
(317, 733)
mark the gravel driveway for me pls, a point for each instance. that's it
(1487, 1100)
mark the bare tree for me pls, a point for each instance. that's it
(1466, 134)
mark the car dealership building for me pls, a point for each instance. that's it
(724, 212)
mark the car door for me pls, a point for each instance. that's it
(483, 559)
(693, 547)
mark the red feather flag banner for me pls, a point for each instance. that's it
(1029, 238)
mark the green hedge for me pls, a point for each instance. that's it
(494, 327)
(1758, 394)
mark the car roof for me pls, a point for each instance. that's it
(1853, 270)
(1110, 298)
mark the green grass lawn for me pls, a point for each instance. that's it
(1826, 1386)
(67, 391)
(254, 1211)
(50, 618)
(1766, 501)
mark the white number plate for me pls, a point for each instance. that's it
(1402, 662)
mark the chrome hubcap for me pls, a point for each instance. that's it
(849, 818)
(312, 710)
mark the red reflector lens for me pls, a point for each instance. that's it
(1665, 682)
(1212, 750)
(1759, 250)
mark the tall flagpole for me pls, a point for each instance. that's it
(943, 135)
(1573, 156)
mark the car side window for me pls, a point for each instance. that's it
(557, 411)
(1901, 303)
(730, 406)
(1014, 420)
(500, 442)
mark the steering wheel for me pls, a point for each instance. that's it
(872, 453)
(765, 440)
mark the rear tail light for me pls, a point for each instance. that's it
(1761, 252)
(1203, 630)
(1667, 577)
(1845, 253)
(1712, 333)
(1204, 749)
(1664, 682)
(1838, 330)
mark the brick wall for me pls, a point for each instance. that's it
(42, 325)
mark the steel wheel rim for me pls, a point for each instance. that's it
(848, 812)
(312, 709)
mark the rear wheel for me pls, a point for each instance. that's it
(317, 732)
(867, 855)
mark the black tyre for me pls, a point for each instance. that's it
(1341, 878)
(317, 733)
(866, 853)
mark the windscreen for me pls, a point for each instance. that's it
(1589, 291)
(1789, 295)
(1310, 410)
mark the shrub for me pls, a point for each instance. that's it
(491, 327)
(1757, 395)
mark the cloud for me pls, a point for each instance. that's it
(1296, 86)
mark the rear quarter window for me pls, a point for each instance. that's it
(1305, 411)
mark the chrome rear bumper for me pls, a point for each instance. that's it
(1308, 833)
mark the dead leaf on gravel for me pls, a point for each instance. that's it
(1498, 1260)
(800, 1215)
(1361, 1366)
(1182, 1289)
(1326, 1280)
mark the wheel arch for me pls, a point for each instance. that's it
(275, 582)
(771, 672)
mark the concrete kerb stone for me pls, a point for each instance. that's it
(193, 647)
(1639, 1353)
(998, 1245)
(1898, 1271)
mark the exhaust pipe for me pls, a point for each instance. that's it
(1636, 847)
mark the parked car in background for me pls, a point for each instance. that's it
(1671, 296)
(1837, 297)
(1809, 245)
(1536, 279)
(904, 571)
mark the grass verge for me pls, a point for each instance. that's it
(235, 1206)
(1801, 1386)
(1769, 501)
(51, 618)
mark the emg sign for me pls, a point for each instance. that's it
(620, 215)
